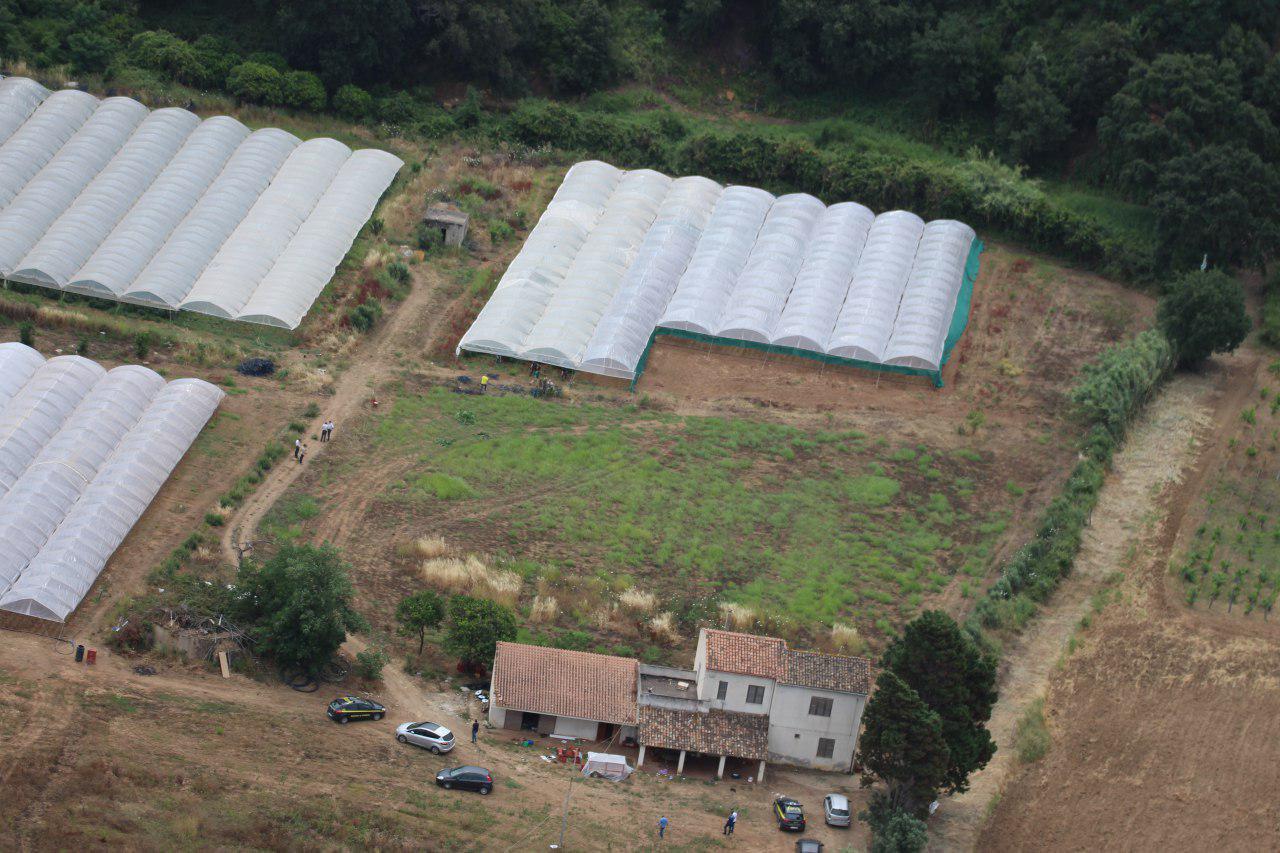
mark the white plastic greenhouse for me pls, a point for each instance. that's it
(621, 257)
(82, 453)
(162, 209)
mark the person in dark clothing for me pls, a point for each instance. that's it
(475, 730)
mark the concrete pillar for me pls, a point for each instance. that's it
(720, 769)
(640, 757)
(680, 764)
(760, 775)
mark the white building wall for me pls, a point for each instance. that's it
(736, 697)
(794, 732)
(573, 727)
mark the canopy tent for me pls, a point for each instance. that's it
(160, 208)
(607, 766)
(82, 453)
(620, 258)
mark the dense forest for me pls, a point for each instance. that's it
(1171, 105)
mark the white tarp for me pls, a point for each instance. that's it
(607, 766)
(160, 208)
(618, 254)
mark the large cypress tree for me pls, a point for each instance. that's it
(902, 745)
(957, 680)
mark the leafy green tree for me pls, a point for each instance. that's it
(353, 102)
(955, 679)
(476, 625)
(1033, 119)
(1219, 200)
(1172, 107)
(576, 41)
(418, 612)
(902, 746)
(90, 51)
(298, 604)
(1097, 65)
(215, 57)
(481, 39)
(346, 40)
(302, 90)
(163, 51)
(255, 83)
(1203, 313)
(954, 59)
(893, 830)
(814, 44)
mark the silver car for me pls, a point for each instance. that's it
(430, 736)
(835, 807)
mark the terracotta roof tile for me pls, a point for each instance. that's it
(744, 654)
(826, 672)
(565, 683)
(713, 732)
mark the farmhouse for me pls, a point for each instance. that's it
(748, 698)
(563, 693)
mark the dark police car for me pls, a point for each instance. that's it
(346, 708)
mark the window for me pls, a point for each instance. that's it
(826, 747)
(755, 694)
(819, 707)
(722, 691)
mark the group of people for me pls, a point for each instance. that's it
(730, 823)
(300, 449)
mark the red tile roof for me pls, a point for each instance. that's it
(711, 732)
(565, 683)
(744, 654)
(826, 672)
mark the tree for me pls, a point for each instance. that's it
(954, 678)
(418, 612)
(1032, 120)
(163, 51)
(475, 627)
(902, 746)
(953, 61)
(90, 51)
(576, 41)
(255, 83)
(346, 40)
(1097, 67)
(302, 90)
(893, 830)
(1203, 313)
(481, 39)
(353, 102)
(298, 604)
(1220, 200)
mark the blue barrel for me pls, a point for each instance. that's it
(79, 653)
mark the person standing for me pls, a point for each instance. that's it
(733, 821)
(484, 383)
(297, 447)
(475, 730)
(302, 451)
(330, 438)
(662, 826)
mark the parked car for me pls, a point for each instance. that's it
(430, 736)
(346, 708)
(835, 808)
(467, 778)
(789, 813)
(808, 845)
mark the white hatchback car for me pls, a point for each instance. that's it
(430, 736)
(835, 808)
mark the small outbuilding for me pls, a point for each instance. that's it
(451, 221)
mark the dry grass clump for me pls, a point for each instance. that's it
(544, 609)
(471, 576)
(847, 640)
(663, 628)
(637, 601)
(737, 617)
(604, 617)
(205, 553)
(430, 547)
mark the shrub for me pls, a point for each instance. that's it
(500, 231)
(399, 109)
(27, 333)
(352, 102)
(1203, 313)
(364, 316)
(163, 51)
(255, 83)
(142, 343)
(302, 90)
(1032, 739)
(369, 664)
(213, 519)
(215, 57)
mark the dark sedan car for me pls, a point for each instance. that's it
(467, 778)
(789, 813)
(346, 708)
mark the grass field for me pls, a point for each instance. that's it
(806, 526)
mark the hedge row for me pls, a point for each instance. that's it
(1110, 395)
(979, 191)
